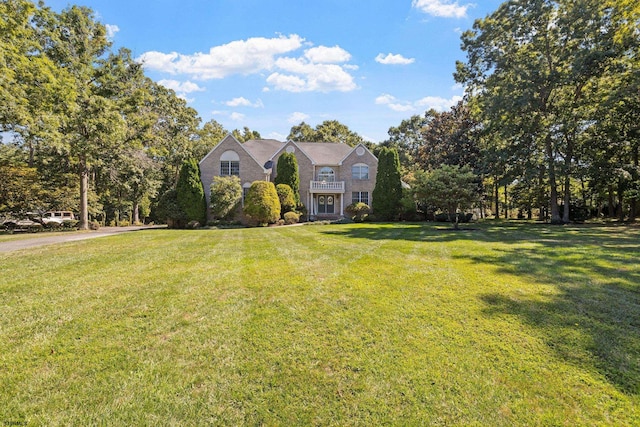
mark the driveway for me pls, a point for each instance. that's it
(71, 236)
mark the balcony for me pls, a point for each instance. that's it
(327, 187)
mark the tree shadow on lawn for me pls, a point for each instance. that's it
(594, 317)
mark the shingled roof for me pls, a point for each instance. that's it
(320, 153)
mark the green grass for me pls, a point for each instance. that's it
(365, 324)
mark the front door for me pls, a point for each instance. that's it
(325, 204)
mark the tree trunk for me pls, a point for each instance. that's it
(506, 203)
(555, 212)
(567, 199)
(541, 195)
(136, 213)
(633, 213)
(612, 212)
(83, 223)
(497, 197)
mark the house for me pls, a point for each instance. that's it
(332, 175)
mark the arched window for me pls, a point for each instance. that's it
(360, 171)
(229, 163)
(326, 174)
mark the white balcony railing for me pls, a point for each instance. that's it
(330, 186)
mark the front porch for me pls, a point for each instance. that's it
(326, 205)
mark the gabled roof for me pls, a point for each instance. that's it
(262, 149)
(320, 153)
(325, 153)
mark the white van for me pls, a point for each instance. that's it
(58, 216)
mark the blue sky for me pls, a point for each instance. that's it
(270, 64)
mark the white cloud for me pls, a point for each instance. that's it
(238, 117)
(391, 102)
(426, 103)
(304, 76)
(327, 55)
(244, 102)
(237, 57)
(438, 103)
(391, 59)
(297, 117)
(441, 8)
(319, 68)
(181, 87)
(111, 30)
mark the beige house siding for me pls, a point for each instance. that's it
(337, 156)
(210, 165)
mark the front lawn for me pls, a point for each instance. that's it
(363, 324)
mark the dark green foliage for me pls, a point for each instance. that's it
(226, 194)
(191, 198)
(287, 199)
(287, 173)
(358, 211)
(169, 210)
(262, 205)
(450, 189)
(388, 191)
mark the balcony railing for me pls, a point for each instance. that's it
(330, 186)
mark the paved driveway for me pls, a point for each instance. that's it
(15, 245)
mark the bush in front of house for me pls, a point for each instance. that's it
(169, 211)
(286, 197)
(291, 218)
(226, 194)
(190, 192)
(262, 204)
(357, 211)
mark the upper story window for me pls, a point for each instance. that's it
(360, 171)
(326, 174)
(229, 163)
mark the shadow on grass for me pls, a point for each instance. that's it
(593, 320)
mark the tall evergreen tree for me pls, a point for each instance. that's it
(388, 190)
(191, 192)
(287, 173)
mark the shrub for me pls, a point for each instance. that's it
(262, 205)
(357, 211)
(291, 218)
(226, 194)
(169, 211)
(190, 193)
(286, 197)
(287, 173)
(388, 190)
(94, 225)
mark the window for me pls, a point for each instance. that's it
(326, 174)
(229, 163)
(360, 171)
(360, 197)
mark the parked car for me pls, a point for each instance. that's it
(57, 217)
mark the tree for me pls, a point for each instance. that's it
(407, 138)
(75, 41)
(226, 194)
(449, 188)
(535, 66)
(287, 200)
(388, 190)
(246, 134)
(449, 138)
(262, 204)
(327, 131)
(191, 197)
(287, 173)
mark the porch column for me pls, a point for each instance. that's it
(341, 204)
